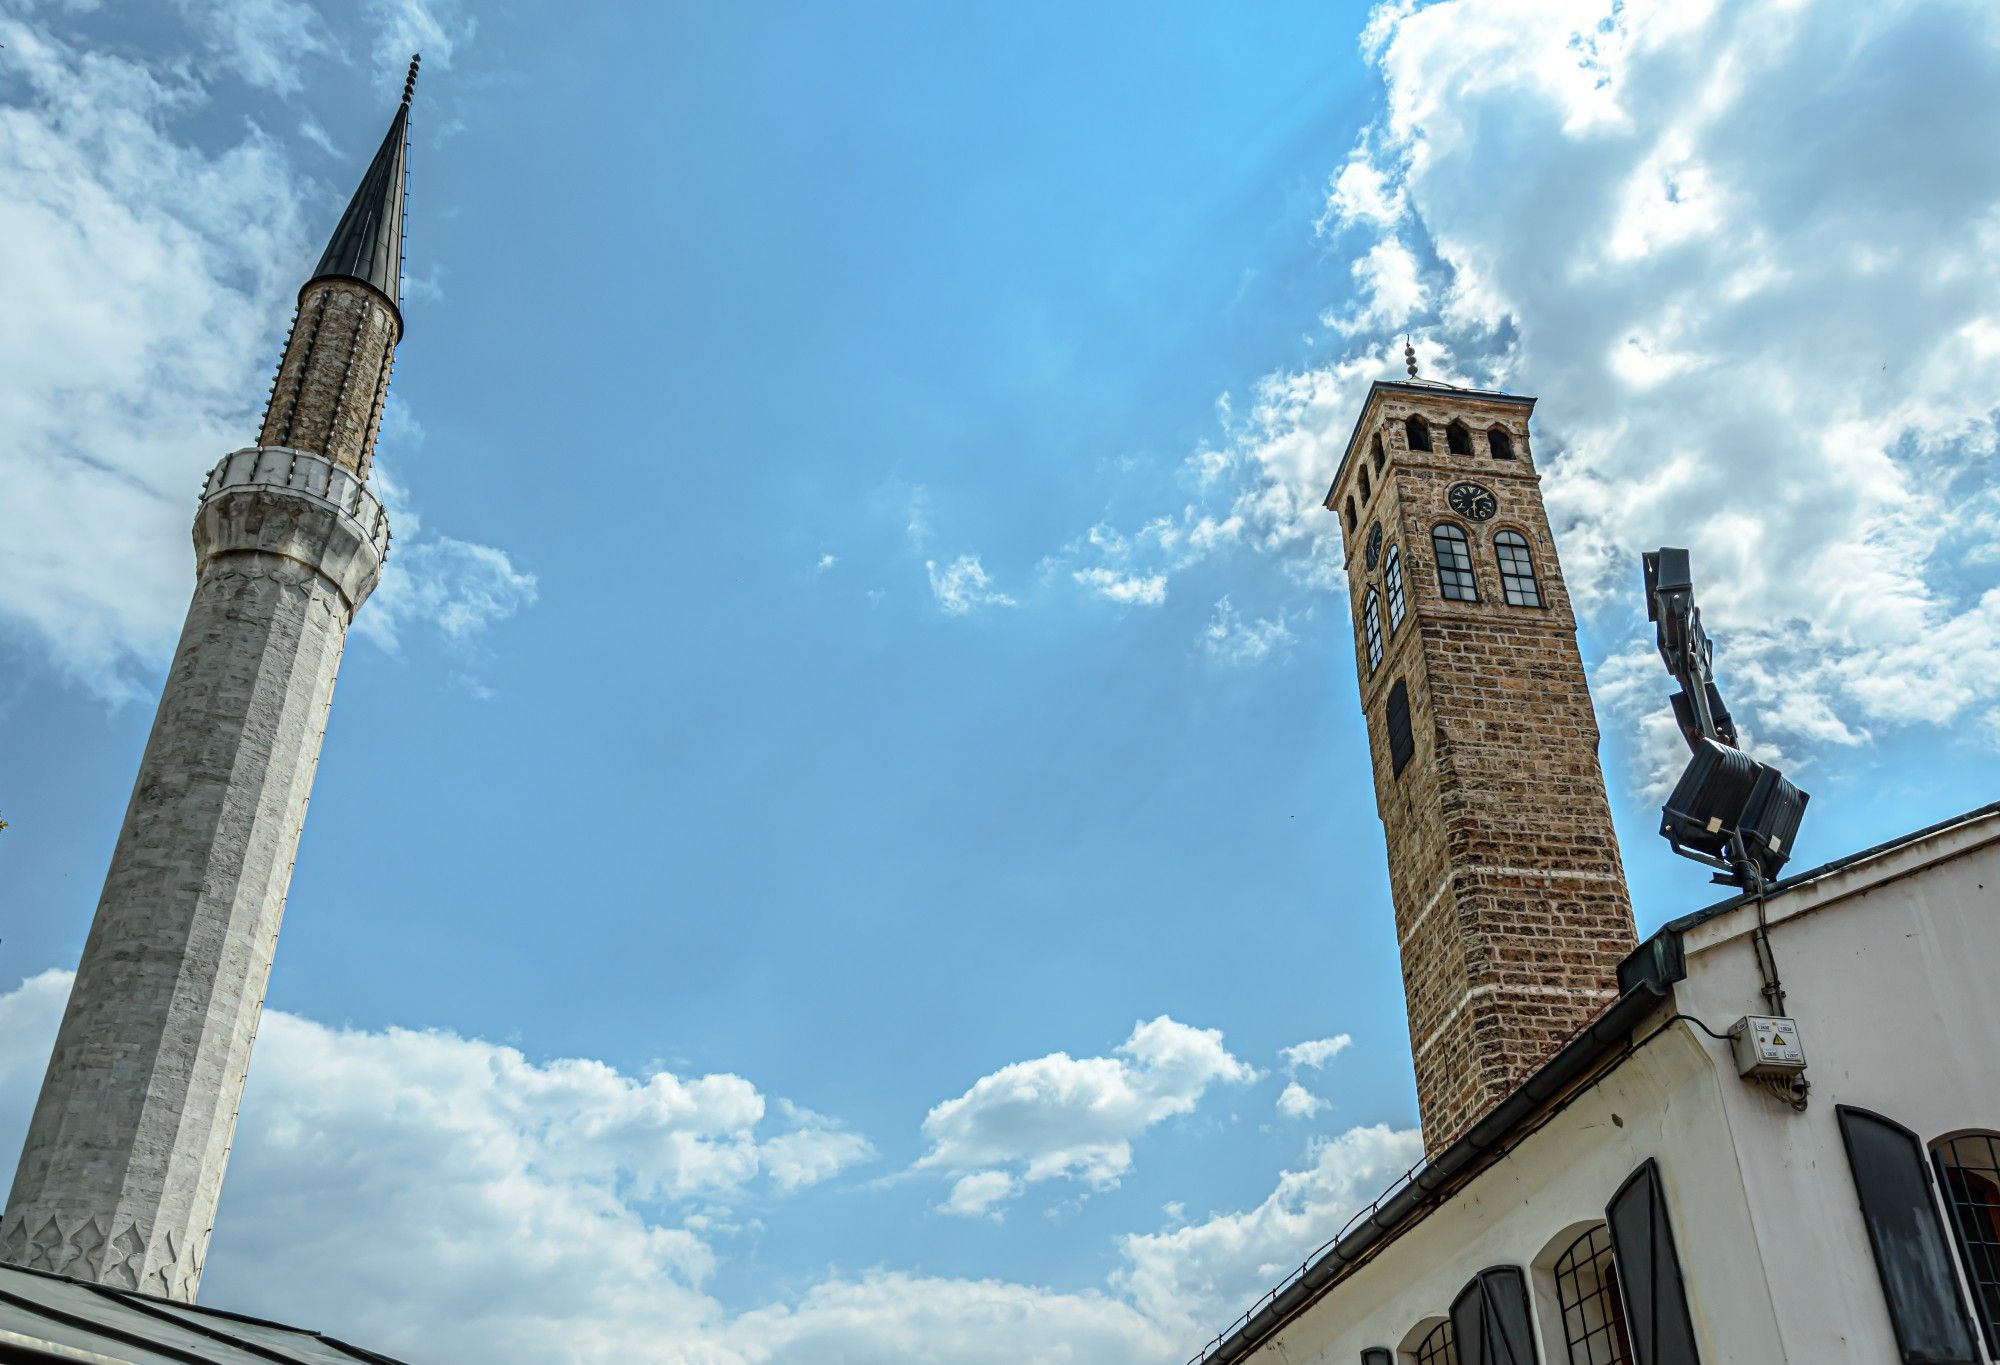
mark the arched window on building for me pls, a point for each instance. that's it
(1500, 444)
(1352, 521)
(1457, 439)
(1366, 491)
(1371, 626)
(1968, 1167)
(1517, 570)
(1381, 455)
(1392, 580)
(1454, 559)
(1593, 1318)
(1417, 432)
(1437, 1348)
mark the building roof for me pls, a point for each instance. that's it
(1644, 979)
(1424, 388)
(53, 1317)
(367, 245)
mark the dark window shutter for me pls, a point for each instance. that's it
(1378, 1355)
(1893, 1182)
(1649, 1271)
(1490, 1319)
(1402, 744)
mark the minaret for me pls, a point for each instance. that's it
(123, 1164)
(1511, 907)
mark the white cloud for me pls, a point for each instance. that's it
(1748, 273)
(1297, 1102)
(457, 587)
(1073, 1118)
(440, 1197)
(974, 1195)
(963, 585)
(435, 28)
(158, 276)
(825, 562)
(1229, 639)
(264, 42)
(1148, 590)
(1316, 1052)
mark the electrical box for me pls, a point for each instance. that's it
(1766, 1046)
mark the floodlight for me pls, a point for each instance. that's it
(1770, 822)
(1708, 801)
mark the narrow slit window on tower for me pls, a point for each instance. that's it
(1396, 715)
(1381, 455)
(1593, 1319)
(1454, 557)
(1457, 439)
(1366, 491)
(1500, 444)
(1371, 626)
(1392, 580)
(1517, 570)
(1968, 1167)
(1417, 432)
(1437, 1348)
(1352, 520)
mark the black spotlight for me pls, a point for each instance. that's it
(1728, 810)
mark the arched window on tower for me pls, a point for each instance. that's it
(1517, 570)
(1381, 455)
(1968, 1167)
(1437, 1348)
(1352, 521)
(1500, 444)
(1417, 432)
(1457, 439)
(1371, 626)
(1402, 738)
(1392, 581)
(1593, 1318)
(1454, 560)
(1366, 491)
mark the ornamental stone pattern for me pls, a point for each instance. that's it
(1510, 899)
(334, 377)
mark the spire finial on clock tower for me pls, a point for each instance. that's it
(1409, 356)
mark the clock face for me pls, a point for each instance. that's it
(1374, 545)
(1471, 501)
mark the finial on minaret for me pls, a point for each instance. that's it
(410, 81)
(1409, 357)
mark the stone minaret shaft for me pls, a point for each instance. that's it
(1511, 907)
(125, 1153)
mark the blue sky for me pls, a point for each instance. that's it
(854, 783)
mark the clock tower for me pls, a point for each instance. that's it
(1511, 908)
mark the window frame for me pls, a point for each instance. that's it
(1566, 1281)
(1392, 585)
(1981, 1273)
(1450, 533)
(1417, 434)
(1371, 628)
(1438, 1347)
(1396, 705)
(1508, 539)
(1499, 442)
(1457, 438)
(1381, 453)
(1676, 1344)
(1495, 1305)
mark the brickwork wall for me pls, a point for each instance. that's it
(334, 376)
(1511, 907)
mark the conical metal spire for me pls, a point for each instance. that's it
(368, 244)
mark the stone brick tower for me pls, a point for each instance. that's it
(123, 1163)
(1511, 906)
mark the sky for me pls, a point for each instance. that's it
(845, 832)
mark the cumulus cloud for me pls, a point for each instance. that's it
(1147, 590)
(1072, 1118)
(963, 585)
(158, 273)
(1297, 1102)
(443, 1198)
(1316, 1052)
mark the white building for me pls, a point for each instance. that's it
(1635, 1200)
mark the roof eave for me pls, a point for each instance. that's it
(1381, 386)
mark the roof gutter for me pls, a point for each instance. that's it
(1435, 1180)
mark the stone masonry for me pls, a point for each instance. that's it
(123, 1165)
(1510, 898)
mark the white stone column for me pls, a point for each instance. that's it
(123, 1164)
